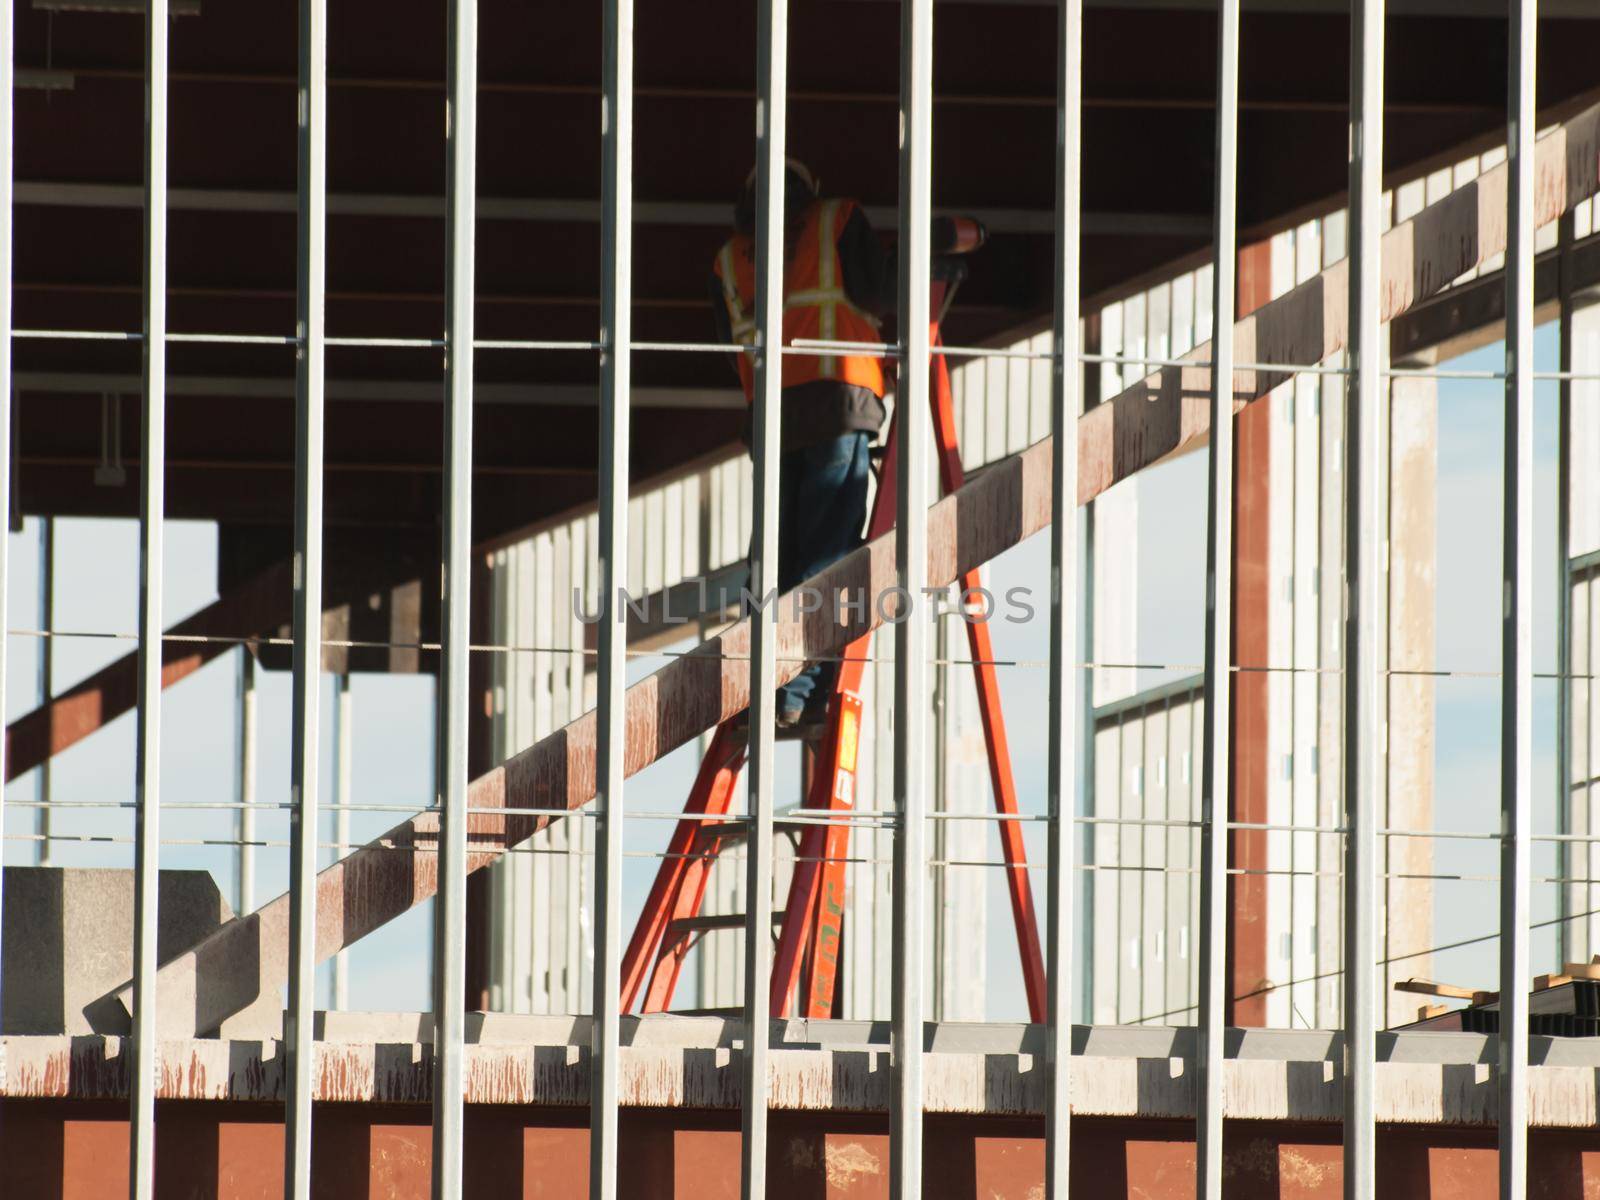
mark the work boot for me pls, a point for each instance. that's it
(788, 718)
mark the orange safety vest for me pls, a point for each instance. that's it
(814, 303)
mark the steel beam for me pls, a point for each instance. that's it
(409, 391)
(147, 735)
(450, 921)
(1516, 645)
(253, 608)
(616, 336)
(1007, 503)
(1216, 778)
(305, 764)
(1062, 729)
(1364, 779)
(772, 39)
(1162, 414)
(710, 214)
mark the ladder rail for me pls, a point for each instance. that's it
(724, 757)
(1002, 779)
(691, 894)
(805, 960)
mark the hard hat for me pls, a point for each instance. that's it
(797, 171)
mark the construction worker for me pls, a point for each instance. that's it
(837, 282)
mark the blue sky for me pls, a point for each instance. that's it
(95, 593)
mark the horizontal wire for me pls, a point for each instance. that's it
(808, 347)
(496, 848)
(1412, 954)
(1129, 704)
(866, 818)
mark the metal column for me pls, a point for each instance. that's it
(8, 84)
(1217, 776)
(245, 766)
(1568, 854)
(1083, 889)
(1062, 735)
(1516, 653)
(450, 914)
(616, 297)
(299, 1031)
(143, 1062)
(1365, 583)
(47, 610)
(343, 775)
(911, 631)
(772, 39)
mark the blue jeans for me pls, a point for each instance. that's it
(822, 505)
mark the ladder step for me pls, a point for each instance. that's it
(702, 924)
(731, 831)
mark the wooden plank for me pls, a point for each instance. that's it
(1432, 987)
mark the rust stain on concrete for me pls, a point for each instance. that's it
(849, 1163)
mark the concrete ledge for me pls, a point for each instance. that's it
(670, 1062)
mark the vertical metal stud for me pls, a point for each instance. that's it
(1365, 580)
(47, 613)
(299, 1032)
(1568, 854)
(1217, 771)
(450, 914)
(1516, 695)
(245, 769)
(8, 85)
(1089, 380)
(772, 38)
(1063, 722)
(911, 632)
(143, 1056)
(343, 775)
(616, 297)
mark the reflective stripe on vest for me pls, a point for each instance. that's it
(744, 327)
(811, 310)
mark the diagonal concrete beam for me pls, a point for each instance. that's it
(202, 988)
(1169, 411)
(253, 608)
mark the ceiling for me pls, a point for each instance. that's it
(1147, 162)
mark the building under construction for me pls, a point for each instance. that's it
(1204, 792)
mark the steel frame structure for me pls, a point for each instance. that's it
(615, 345)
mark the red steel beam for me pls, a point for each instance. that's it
(251, 609)
(1252, 596)
(1008, 502)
